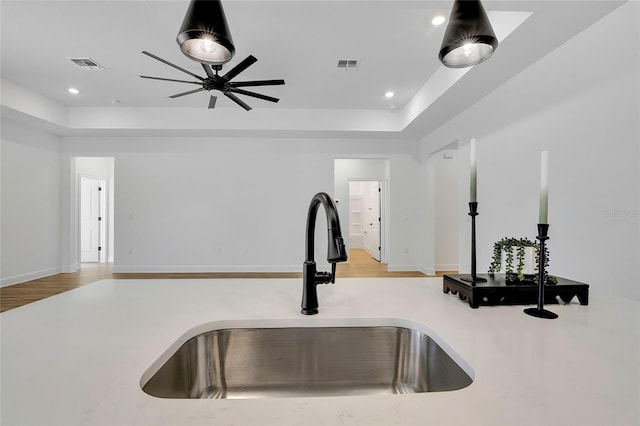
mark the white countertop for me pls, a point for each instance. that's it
(78, 358)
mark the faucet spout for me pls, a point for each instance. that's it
(336, 251)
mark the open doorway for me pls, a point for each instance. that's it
(354, 172)
(95, 196)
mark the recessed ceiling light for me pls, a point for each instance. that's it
(389, 95)
(73, 91)
(438, 20)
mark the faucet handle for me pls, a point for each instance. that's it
(324, 277)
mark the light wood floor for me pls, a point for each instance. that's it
(360, 265)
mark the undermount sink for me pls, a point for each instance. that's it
(305, 362)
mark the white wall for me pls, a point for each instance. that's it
(30, 208)
(581, 102)
(404, 213)
(445, 198)
(222, 204)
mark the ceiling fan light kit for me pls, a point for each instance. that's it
(204, 35)
(469, 38)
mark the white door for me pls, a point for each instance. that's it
(372, 219)
(90, 219)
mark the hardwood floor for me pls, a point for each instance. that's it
(360, 265)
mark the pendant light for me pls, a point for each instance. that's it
(204, 35)
(469, 38)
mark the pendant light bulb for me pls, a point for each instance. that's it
(207, 45)
(204, 35)
(469, 38)
(468, 49)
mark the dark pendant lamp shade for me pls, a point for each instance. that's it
(469, 38)
(204, 35)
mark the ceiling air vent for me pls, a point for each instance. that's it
(348, 64)
(86, 64)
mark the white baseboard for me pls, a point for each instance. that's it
(17, 279)
(447, 267)
(428, 271)
(402, 268)
(205, 269)
(69, 269)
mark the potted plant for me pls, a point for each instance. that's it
(527, 254)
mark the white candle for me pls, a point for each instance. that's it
(544, 187)
(474, 173)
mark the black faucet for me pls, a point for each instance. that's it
(336, 252)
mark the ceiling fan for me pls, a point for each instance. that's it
(223, 83)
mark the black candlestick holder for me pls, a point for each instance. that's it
(539, 311)
(473, 278)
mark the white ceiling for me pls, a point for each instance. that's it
(297, 40)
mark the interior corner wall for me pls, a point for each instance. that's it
(224, 204)
(581, 103)
(445, 164)
(425, 232)
(30, 203)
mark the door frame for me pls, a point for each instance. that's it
(383, 211)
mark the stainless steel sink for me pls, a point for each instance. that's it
(304, 362)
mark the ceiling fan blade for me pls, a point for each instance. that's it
(171, 79)
(212, 102)
(246, 63)
(207, 69)
(172, 65)
(256, 83)
(255, 95)
(237, 100)
(187, 93)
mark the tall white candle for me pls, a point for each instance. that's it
(474, 173)
(544, 187)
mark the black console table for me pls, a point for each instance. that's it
(496, 291)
